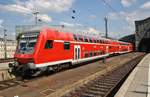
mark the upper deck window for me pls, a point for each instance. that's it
(75, 37)
(95, 41)
(85, 39)
(80, 38)
(90, 40)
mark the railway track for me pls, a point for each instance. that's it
(6, 60)
(17, 81)
(106, 85)
(11, 83)
(14, 82)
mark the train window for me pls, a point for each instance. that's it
(86, 55)
(94, 53)
(104, 42)
(91, 54)
(75, 37)
(95, 41)
(80, 39)
(85, 39)
(101, 41)
(100, 52)
(49, 44)
(90, 39)
(66, 45)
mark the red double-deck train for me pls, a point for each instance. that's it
(50, 49)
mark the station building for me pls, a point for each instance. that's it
(10, 48)
(142, 35)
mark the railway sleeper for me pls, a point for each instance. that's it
(101, 86)
(103, 81)
(94, 93)
(83, 94)
(98, 89)
(73, 94)
(3, 85)
(92, 88)
(105, 84)
(107, 81)
(89, 95)
(110, 79)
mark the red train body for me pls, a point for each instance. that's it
(46, 49)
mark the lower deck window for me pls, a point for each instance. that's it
(101, 52)
(86, 55)
(91, 54)
(49, 44)
(66, 45)
(94, 53)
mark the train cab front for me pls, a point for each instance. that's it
(24, 55)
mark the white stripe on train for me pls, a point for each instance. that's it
(74, 61)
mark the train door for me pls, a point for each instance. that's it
(77, 52)
(107, 49)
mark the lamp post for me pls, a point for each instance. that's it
(106, 28)
(5, 53)
(36, 18)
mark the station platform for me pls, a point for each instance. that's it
(138, 82)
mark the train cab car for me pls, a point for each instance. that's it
(25, 53)
(38, 49)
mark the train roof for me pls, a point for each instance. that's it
(83, 36)
(59, 34)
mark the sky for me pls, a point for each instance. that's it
(88, 15)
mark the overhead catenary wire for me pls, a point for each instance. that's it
(109, 6)
(114, 10)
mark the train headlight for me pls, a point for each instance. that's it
(31, 65)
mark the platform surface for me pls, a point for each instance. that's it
(138, 82)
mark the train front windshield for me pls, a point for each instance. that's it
(26, 44)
